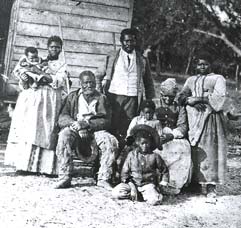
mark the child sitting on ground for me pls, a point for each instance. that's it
(147, 110)
(144, 171)
(31, 68)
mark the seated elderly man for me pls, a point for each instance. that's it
(84, 119)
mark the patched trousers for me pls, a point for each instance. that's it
(103, 142)
(148, 192)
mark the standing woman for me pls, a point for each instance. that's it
(204, 97)
(33, 133)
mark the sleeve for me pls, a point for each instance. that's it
(112, 58)
(181, 130)
(65, 119)
(125, 172)
(158, 128)
(148, 81)
(132, 125)
(18, 71)
(161, 166)
(185, 93)
(158, 114)
(217, 97)
(101, 121)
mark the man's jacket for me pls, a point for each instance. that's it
(145, 84)
(69, 111)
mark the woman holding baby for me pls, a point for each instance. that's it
(33, 133)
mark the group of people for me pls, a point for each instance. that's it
(149, 148)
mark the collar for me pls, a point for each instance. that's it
(51, 58)
(95, 95)
(128, 54)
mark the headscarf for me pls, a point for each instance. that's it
(169, 87)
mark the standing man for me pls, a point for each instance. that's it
(127, 82)
(84, 119)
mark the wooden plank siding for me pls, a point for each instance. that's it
(91, 30)
(113, 12)
(70, 20)
(77, 46)
(75, 34)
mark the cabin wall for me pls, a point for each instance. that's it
(91, 30)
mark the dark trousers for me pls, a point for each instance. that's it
(124, 108)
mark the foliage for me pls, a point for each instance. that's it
(169, 27)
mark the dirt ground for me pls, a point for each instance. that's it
(31, 201)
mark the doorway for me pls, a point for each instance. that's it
(5, 15)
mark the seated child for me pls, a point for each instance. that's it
(31, 68)
(144, 171)
(147, 110)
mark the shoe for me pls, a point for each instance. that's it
(64, 183)
(104, 184)
(211, 194)
(211, 190)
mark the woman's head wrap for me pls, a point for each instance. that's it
(169, 87)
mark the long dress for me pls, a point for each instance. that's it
(207, 129)
(177, 152)
(33, 133)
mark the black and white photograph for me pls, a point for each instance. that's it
(120, 113)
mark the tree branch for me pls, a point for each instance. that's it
(222, 37)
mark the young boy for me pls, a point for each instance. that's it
(143, 170)
(32, 68)
(147, 110)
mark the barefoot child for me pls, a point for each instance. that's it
(143, 170)
(147, 110)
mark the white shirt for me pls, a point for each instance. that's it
(124, 80)
(85, 110)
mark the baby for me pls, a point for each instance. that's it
(31, 68)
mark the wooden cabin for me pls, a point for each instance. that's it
(90, 30)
